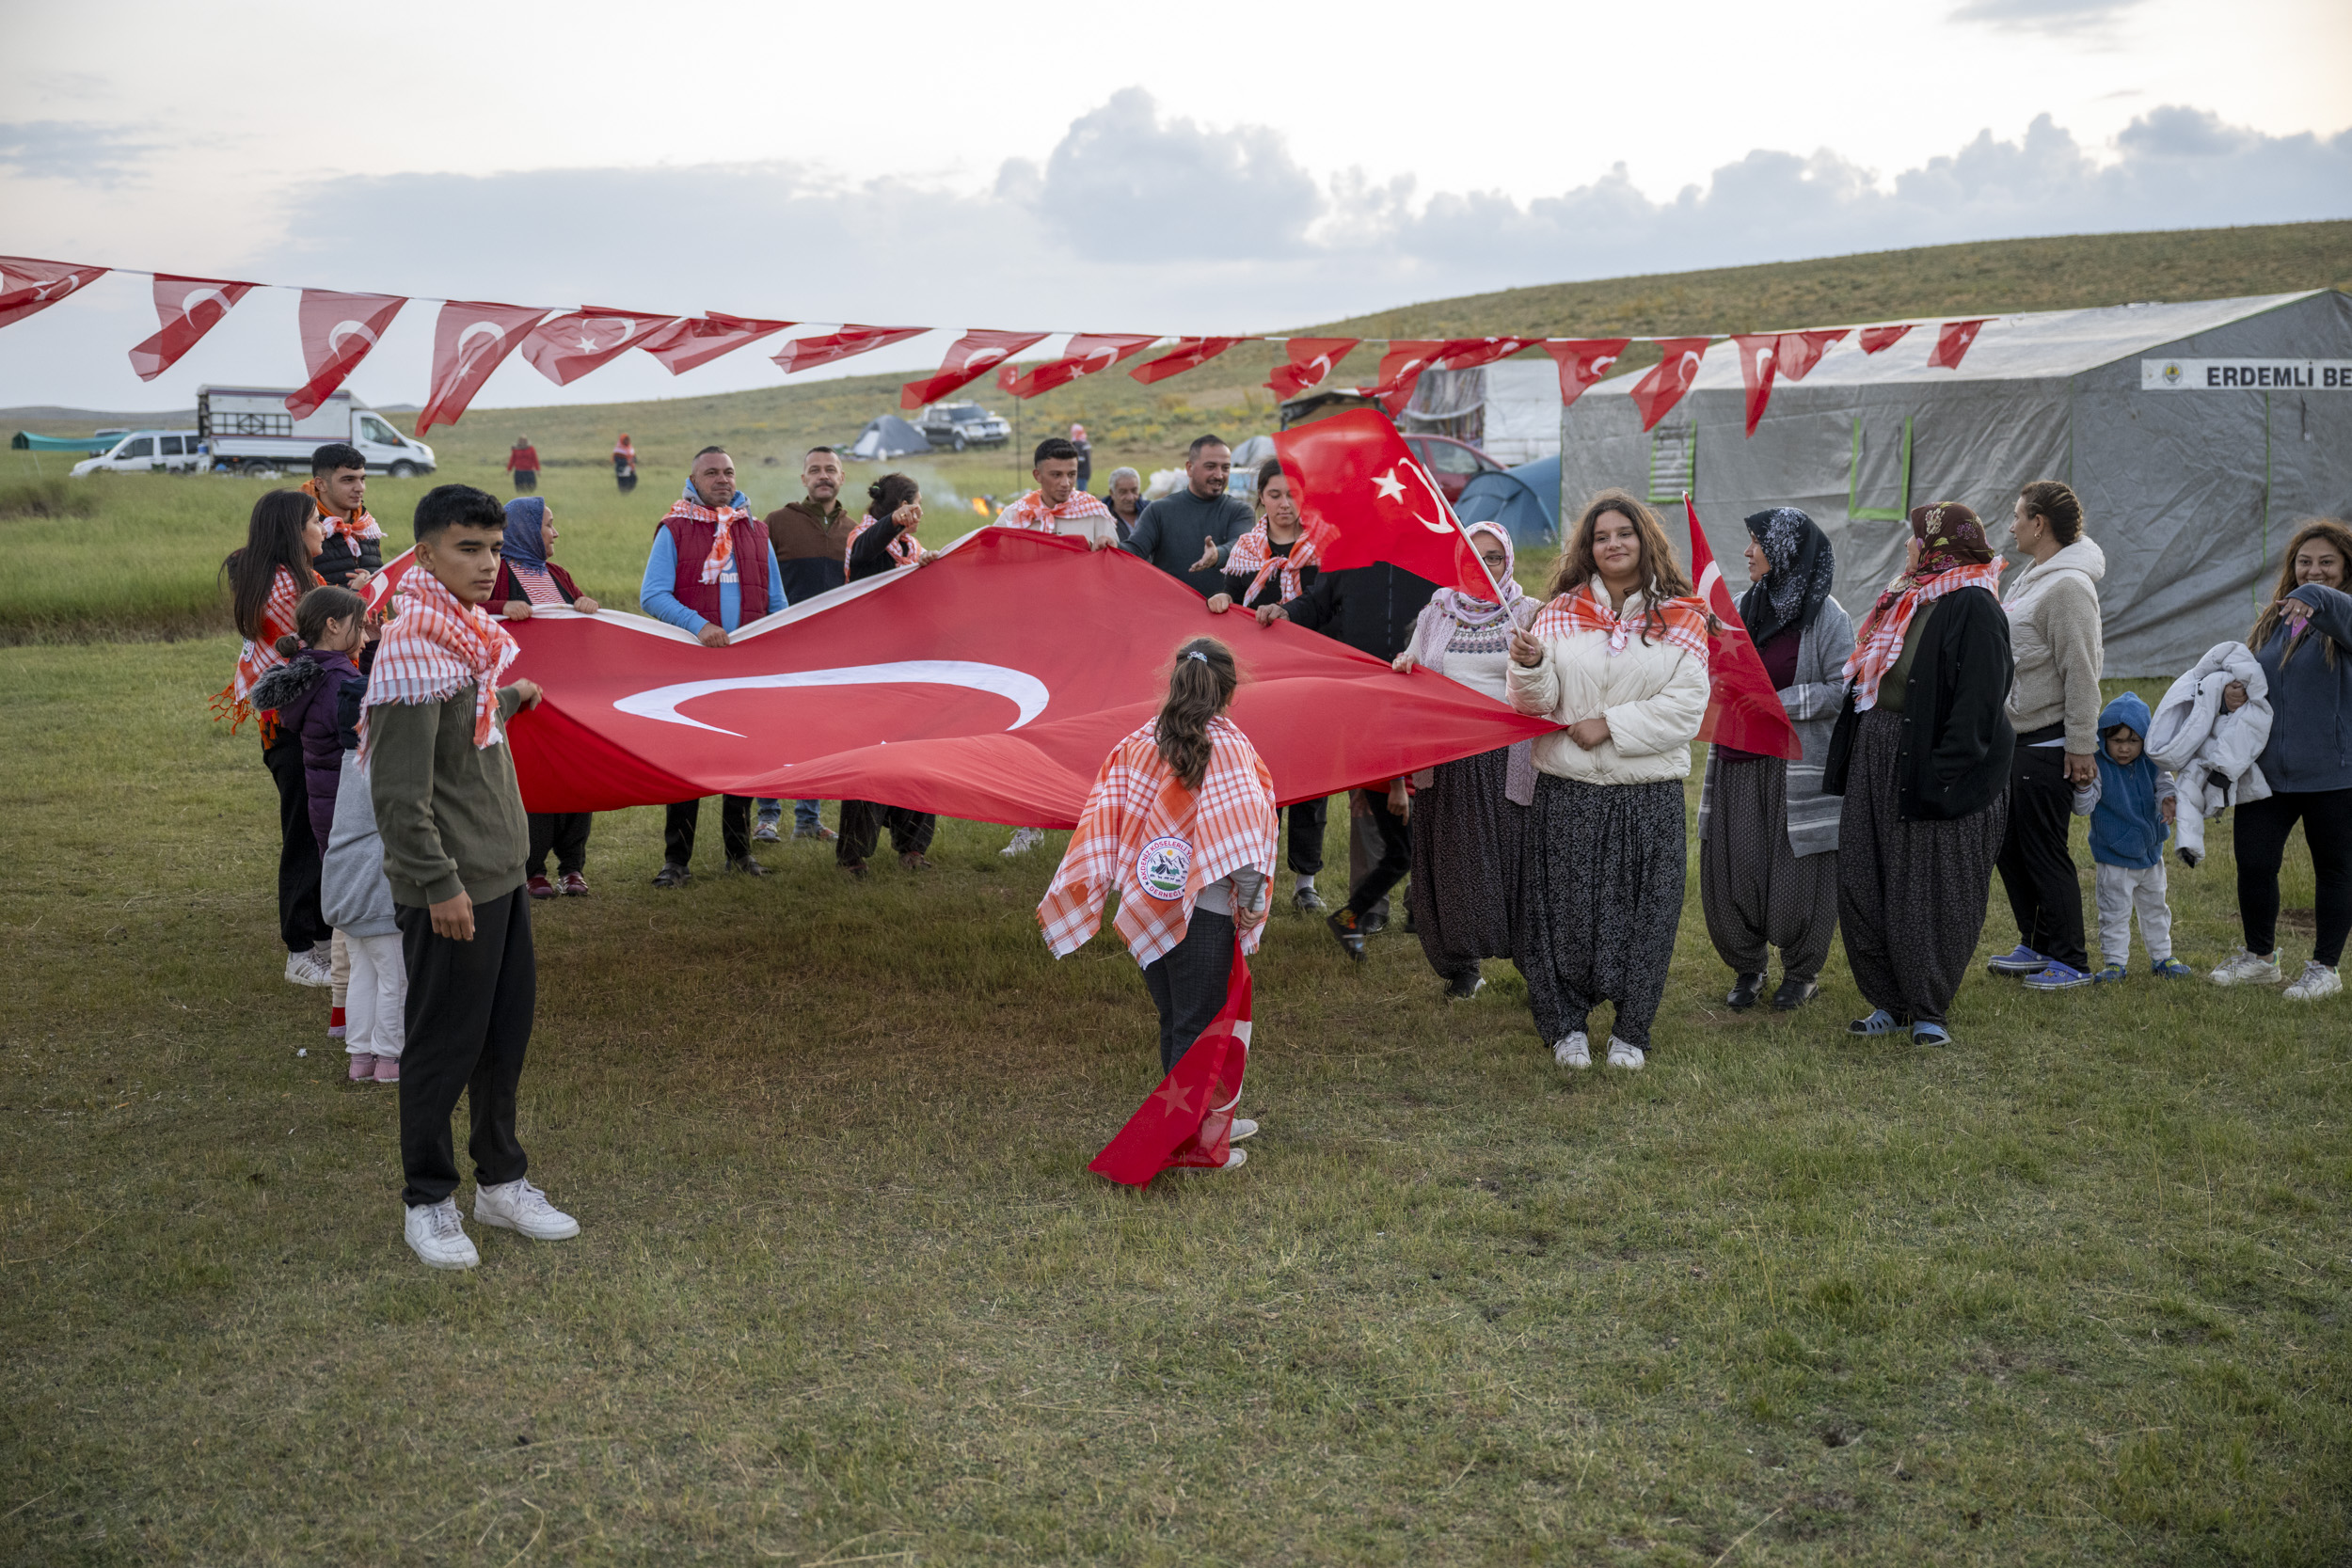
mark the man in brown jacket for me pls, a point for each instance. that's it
(811, 538)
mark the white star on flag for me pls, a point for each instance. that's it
(1391, 487)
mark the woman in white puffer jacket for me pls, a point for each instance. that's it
(1618, 660)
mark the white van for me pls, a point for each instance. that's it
(251, 430)
(148, 451)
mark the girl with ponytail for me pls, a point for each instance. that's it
(1180, 822)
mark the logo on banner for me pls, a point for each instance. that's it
(1164, 866)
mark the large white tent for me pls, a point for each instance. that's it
(2197, 434)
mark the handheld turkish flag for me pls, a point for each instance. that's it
(1188, 1120)
(1401, 371)
(807, 354)
(28, 287)
(1799, 352)
(1582, 362)
(470, 340)
(385, 582)
(1951, 343)
(1307, 361)
(566, 347)
(1757, 352)
(188, 307)
(1355, 473)
(970, 357)
(692, 342)
(1084, 353)
(1189, 353)
(1678, 366)
(338, 331)
(1876, 337)
(1742, 710)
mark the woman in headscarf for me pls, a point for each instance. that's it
(1767, 836)
(624, 463)
(1922, 754)
(1470, 815)
(529, 579)
(882, 542)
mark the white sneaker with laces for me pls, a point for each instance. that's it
(437, 1236)
(1024, 840)
(2248, 969)
(1624, 1055)
(520, 1206)
(304, 970)
(2317, 981)
(1242, 1128)
(1576, 1051)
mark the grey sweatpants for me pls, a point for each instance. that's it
(2122, 890)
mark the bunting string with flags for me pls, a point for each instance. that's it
(690, 343)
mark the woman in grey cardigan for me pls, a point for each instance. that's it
(1767, 836)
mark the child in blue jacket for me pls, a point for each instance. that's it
(2131, 803)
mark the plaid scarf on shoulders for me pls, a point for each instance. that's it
(1680, 622)
(431, 648)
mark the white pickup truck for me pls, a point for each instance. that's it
(249, 429)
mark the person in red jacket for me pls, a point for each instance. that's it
(528, 578)
(522, 461)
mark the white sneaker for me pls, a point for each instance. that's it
(437, 1235)
(1576, 1051)
(520, 1206)
(1624, 1055)
(304, 970)
(1234, 1159)
(2248, 970)
(1024, 840)
(1242, 1128)
(2317, 981)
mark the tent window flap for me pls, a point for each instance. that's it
(1854, 509)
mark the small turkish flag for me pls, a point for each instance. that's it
(1188, 1120)
(1582, 362)
(386, 581)
(692, 342)
(188, 307)
(1355, 473)
(566, 347)
(1401, 371)
(1757, 352)
(28, 287)
(1678, 366)
(1742, 710)
(1307, 361)
(1084, 353)
(1799, 352)
(807, 354)
(1468, 353)
(1189, 353)
(470, 340)
(970, 357)
(338, 331)
(1951, 345)
(1877, 338)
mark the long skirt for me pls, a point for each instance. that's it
(1466, 838)
(1603, 894)
(1910, 896)
(1753, 890)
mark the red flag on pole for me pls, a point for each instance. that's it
(1951, 345)
(807, 354)
(1307, 361)
(1799, 352)
(28, 287)
(1678, 366)
(188, 307)
(1401, 371)
(566, 347)
(691, 341)
(1582, 362)
(470, 340)
(1189, 353)
(338, 331)
(1742, 711)
(1355, 472)
(1877, 338)
(1084, 353)
(1188, 1120)
(1468, 353)
(1757, 352)
(969, 357)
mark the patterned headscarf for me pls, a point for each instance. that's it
(1457, 605)
(1954, 555)
(1788, 595)
(523, 543)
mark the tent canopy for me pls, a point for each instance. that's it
(88, 446)
(887, 438)
(1525, 500)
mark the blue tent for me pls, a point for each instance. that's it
(1525, 500)
(88, 446)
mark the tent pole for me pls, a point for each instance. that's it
(2265, 563)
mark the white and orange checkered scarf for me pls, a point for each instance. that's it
(1680, 622)
(260, 655)
(1159, 844)
(1883, 629)
(1030, 512)
(1254, 552)
(902, 549)
(432, 647)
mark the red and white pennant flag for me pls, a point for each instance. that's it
(28, 287)
(338, 331)
(1084, 353)
(970, 357)
(188, 307)
(470, 340)
(566, 347)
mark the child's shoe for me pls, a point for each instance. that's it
(540, 887)
(2317, 981)
(2248, 969)
(387, 1070)
(575, 885)
(362, 1068)
(1350, 932)
(2108, 972)
(2171, 969)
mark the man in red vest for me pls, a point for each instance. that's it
(711, 570)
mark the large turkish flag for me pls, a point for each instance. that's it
(1355, 473)
(931, 688)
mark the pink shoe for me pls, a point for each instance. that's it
(540, 887)
(575, 885)
(387, 1070)
(362, 1068)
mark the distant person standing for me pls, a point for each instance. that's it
(1189, 534)
(624, 463)
(811, 537)
(522, 461)
(1126, 502)
(1085, 454)
(354, 542)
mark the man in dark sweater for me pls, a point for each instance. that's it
(354, 545)
(442, 778)
(1190, 533)
(811, 538)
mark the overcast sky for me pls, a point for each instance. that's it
(1213, 166)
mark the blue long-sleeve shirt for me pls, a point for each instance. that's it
(2310, 698)
(655, 597)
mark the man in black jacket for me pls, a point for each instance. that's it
(354, 544)
(1190, 533)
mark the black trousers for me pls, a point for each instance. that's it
(1395, 835)
(566, 833)
(862, 822)
(2258, 838)
(300, 924)
(1307, 820)
(2046, 893)
(1188, 983)
(469, 1017)
(526, 480)
(735, 828)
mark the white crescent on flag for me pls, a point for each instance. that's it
(1027, 694)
